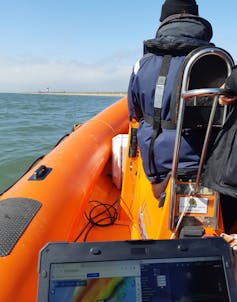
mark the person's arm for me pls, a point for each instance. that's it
(133, 101)
(226, 100)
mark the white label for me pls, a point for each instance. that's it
(193, 205)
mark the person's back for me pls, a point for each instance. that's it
(180, 32)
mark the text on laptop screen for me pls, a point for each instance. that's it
(166, 280)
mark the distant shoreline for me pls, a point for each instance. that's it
(80, 93)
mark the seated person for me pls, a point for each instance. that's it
(181, 30)
(218, 176)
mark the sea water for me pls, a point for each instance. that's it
(31, 124)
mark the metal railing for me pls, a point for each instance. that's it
(184, 96)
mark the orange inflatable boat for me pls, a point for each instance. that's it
(92, 187)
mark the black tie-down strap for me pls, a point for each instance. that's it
(158, 98)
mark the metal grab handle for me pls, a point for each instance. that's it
(185, 94)
(214, 92)
(188, 94)
(198, 93)
(201, 92)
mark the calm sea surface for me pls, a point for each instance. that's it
(31, 124)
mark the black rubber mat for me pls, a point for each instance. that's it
(15, 216)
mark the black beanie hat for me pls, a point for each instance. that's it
(172, 7)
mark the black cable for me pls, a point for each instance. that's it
(112, 215)
(82, 231)
(95, 219)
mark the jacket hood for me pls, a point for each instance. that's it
(181, 32)
(200, 27)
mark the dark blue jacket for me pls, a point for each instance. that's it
(177, 35)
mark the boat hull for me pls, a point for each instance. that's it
(77, 172)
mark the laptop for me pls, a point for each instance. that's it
(126, 271)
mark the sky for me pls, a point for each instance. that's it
(88, 45)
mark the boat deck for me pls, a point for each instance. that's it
(103, 219)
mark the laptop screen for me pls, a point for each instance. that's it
(171, 280)
(197, 270)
